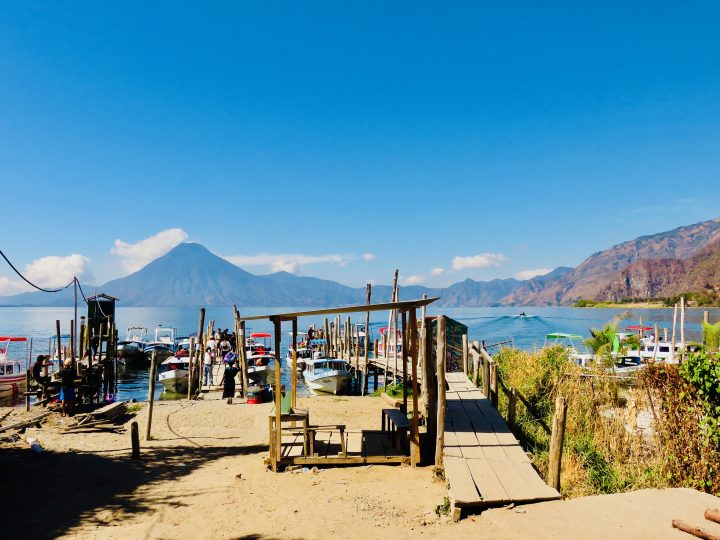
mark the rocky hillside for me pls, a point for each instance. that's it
(664, 278)
(649, 259)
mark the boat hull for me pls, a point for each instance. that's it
(175, 380)
(12, 387)
(258, 375)
(332, 382)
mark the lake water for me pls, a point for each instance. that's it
(492, 324)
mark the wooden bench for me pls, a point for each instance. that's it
(312, 431)
(397, 425)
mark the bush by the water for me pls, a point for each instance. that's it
(662, 431)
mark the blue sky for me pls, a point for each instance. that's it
(344, 140)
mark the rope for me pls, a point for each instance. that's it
(26, 280)
(81, 290)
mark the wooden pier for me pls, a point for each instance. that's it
(484, 463)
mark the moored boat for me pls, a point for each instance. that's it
(575, 345)
(164, 342)
(13, 364)
(174, 374)
(132, 348)
(259, 355)
(329, 375)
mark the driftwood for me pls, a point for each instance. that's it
(25, 423)
(103, 415)
(712, 515)
(695, 531)
(4, 416)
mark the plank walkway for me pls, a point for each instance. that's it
(484, 463)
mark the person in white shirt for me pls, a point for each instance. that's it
(207, 367)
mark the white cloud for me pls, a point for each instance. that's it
(368, 256)
(287, 262)
(527, 274)
(412, 280)
(139, 254)
(9, 286)
(483, 260)
(437, 271)
(54, 271)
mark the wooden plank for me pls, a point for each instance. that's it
(452, 446)
(462, 489)
(489, 486)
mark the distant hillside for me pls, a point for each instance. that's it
(593, 276)
(665, 278)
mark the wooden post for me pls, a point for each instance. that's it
(422, 360)
(277, 322)
(429, 373)
(556, 442)
(151, 392)
(672, 346)
(465, 353)
(494, 385)
(375, 349)
(293, 373)
(485, 371)
(326, 336)
(72, 346)
(200, 355)
(404, 360)
(682, 326)
(665, 334)
(440, 441)
(242, 355)
(57, 337)
(657, 342)
(368, 294)
(414, 423)
(512, 406)
(135, 440)
(191, 360)
(27, 390)
(386, 343)
(706, 320)
(477, 360)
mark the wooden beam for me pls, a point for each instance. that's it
(293, 373)
(278, 397)
(441, 359)
(406, 304)
(414, 423)
(556, 442)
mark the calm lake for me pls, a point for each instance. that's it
(492, 324)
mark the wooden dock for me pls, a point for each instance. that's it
(484, 463)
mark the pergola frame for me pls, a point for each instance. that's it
(404, 307)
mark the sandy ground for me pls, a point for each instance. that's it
(202, 476)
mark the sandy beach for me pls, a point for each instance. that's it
(202, 476)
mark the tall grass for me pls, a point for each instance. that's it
(605, 450)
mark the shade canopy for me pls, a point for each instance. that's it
(12, 338)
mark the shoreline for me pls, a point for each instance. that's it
(202, 475)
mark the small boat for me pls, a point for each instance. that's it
(13, 364)
(307, 350)
(132, 348)
(174, 374)
(329, 375)
(394, 347)
(259, 355)
(579, 354)
(164, 342)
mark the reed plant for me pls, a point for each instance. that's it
(607, 449)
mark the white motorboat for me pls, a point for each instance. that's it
(307, 350)
(132, 348)
(575, 345)
(164, 342)
(13, 363)
(259, 355)
(174, 374)
(329, 375)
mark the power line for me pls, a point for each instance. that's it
(26, 280)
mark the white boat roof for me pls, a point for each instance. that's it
(320, 360)
(174, 359)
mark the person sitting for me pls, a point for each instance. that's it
(38, 368)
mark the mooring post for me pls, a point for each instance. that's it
(151, 392)
(477, 362)
(27, 390)
(465, 353)
(293, 373)
(556, 442)
(277, 322)
(441, 359)
(135, 440)
(414, 425)
(512, 406)
(367, 342)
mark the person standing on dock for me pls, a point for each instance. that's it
(212, 347)
(67, 388)
(228, 381)
(207, 367)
